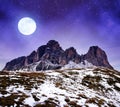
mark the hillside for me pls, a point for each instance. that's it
(85, 87)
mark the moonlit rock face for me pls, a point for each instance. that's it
(26, 26)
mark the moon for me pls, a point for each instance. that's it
(26, 26)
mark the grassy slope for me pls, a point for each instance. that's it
(79, 87)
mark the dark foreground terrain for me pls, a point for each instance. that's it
(87, 87)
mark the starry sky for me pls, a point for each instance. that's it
(77, 23)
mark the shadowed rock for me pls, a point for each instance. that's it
(52, 56)
(15, 64)
(97, 57)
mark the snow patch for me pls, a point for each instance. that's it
(72, 65)
(30, 101)
(117, 84)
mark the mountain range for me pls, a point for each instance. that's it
(51, 56)
(69, 80)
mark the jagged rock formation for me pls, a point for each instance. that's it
(97, 57)
(15, 64)
(52, 56)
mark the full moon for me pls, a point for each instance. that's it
(26, 26)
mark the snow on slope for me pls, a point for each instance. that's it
(47, 63)
(72, 65)
(85, 87)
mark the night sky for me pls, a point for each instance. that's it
(77, 23)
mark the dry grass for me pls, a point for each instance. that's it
(28, 80)
(11, 100)
(107, 71)
(92, 82)
(4, 82)
(33, 75)
(58, 84)
(34, 79)
(48, 103)
(67, 100)
(97, 101)
(75, 69)
(111, 105)
(73, 73)
(116, 88)
(110, 81)
(65, 75)
(73, 104)
(82, 95)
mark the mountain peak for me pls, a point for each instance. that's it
(52, 56)
(52, 42)
(95, 51)
(72, 49)
(53, 45)
(97, 57)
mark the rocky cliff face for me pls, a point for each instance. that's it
(15, 64)
(97, 57)
(52, 56)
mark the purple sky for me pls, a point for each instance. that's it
(77, 23)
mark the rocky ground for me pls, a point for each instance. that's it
(87, 87)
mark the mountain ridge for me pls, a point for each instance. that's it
(52, 56)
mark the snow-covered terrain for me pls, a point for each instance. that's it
(43, 64)
(85, 87)
(47, 64)
(72, 65)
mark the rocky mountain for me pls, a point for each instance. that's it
(97, 57)
(85, 87)
(52, 56)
